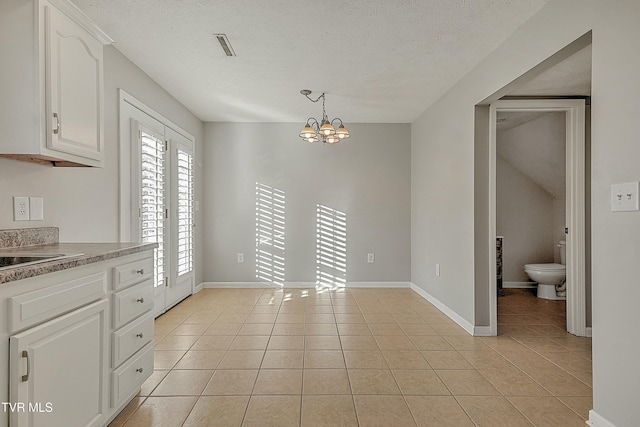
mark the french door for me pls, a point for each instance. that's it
(162, 160)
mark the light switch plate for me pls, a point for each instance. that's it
(371, 258)
(624, 197)
(36, 208)
(20, 208)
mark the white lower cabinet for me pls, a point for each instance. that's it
(57, 370)
(78, 343)
(132, 336)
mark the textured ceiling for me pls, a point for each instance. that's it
(378, 60)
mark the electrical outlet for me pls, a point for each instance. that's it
(371, 258)
(240, 257)
(36, 208)
(438, 270)
(20, 208)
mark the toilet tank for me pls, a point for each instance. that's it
(563, 252)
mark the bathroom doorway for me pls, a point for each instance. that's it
(573, 111)
(530, 221)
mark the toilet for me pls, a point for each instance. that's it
(550, 277)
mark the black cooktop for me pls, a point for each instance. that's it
(12, 261)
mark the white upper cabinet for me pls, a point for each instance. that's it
(53, 108)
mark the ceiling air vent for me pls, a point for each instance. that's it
(225, 44)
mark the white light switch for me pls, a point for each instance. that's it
(438, 270)
(36, 208)
(624, 197)
(240, 257)
(371, 258)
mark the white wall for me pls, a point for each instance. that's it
(367, 176)
(524, 217)
(443, 153)
(83, 202)
(615, 151)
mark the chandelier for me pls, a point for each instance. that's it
(314, 129)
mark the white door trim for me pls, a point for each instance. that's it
(575, 210)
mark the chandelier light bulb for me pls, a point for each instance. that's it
(332, 139)
(326, 128)
(342, 132)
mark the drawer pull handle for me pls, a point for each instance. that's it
(140, 335)
(140, 300)
(140, 369)
(141, 271)
(26, 376)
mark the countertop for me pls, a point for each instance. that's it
(84, 253)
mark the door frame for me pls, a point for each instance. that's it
(575, 205)
(130, 107)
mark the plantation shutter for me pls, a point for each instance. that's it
(153, 198)
(185, 211)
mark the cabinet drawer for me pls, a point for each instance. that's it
(129, 377)
(131, 338)
(35, 307)
(132, 302)
(132, 273)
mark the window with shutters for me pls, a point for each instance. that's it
(152, 210)
(157, 197)
(185, 211)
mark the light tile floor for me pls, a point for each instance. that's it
(367, 357)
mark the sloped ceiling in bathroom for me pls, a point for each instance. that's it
(536, 148)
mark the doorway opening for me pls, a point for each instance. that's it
(530, 222)
(573, 111)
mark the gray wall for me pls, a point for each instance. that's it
(524, 217)
(83, 202)
(367, 177)
(443, 153)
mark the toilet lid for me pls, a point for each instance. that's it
(545, 267)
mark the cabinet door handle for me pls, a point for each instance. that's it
(140, 300)
(141, 271)
(140, 335)
(140, 369)
(25, 353)
(56, 130)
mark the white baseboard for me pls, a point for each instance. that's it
(302, 285)
(482, 331)
(519, 285)
(198, 288)
(596, 420)
(588, 332)
(464, 324)
(378, 284)
(240, 285)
